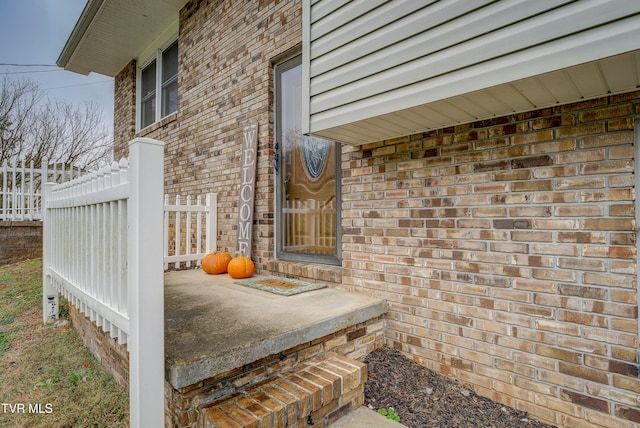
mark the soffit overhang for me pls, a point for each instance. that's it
(109, 33)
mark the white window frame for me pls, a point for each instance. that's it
(153, 53)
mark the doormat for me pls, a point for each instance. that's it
(279, 285)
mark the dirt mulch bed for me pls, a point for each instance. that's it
(423, 398)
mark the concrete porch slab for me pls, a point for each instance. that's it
(213, 325)
(363, 417)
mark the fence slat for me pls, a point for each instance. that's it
(204, 223)
(21, 188)
(198, 228)
(187, 244)
(165, 232)
(212, 222)
(176, 248)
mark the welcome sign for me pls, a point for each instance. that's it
(247, 187)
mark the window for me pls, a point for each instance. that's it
(148, 95)
(308, 179)
(170, 80)
(151, 82)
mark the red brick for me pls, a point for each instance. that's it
(624, 412)
(584, 318)
(557, 353)
(585, 400)
(512, 175)
(302, 396)
(584, 373)
(611, 167)
(582, 237)
(289, 401)
(579, 130)
(611, 139)
(325, 385)
(238, 414)
(256, 405)
(583, 291)
(606, 113)
(623, 368)
(607, 195)
(531, 186)
(533, 137)
(580, 156)
(626, 383)
(610, 280)
(216, 418)
(553, 121)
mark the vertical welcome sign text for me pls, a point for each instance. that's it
(247, 187)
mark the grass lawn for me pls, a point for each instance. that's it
(48, 377)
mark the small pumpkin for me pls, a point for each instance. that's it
(240, 267)
(216, 263)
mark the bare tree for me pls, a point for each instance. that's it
(33, 128)
(18, 99)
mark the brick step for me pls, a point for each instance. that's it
(320, 391)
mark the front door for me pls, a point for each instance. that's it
(307, 177)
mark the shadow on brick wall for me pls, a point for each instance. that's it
(20, 240)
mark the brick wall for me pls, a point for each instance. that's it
(112, 355)
(507, 251)
(124, 116)
(20, 240)
(225, 79)
(182, 406)
(318, 393)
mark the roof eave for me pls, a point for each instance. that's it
(110, 33)
(79, 30)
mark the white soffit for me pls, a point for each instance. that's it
(613, 75)
(109, 33)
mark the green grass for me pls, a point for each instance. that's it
(48, 369)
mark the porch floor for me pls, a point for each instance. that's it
(213, 325)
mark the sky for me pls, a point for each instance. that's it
(34, 32)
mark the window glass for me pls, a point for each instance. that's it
(159, 93)
(170, 80)
(308, 178)
(148, 94)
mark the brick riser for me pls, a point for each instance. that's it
(324, 388)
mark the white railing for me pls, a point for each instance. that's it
(21, 188)
(86, 222)
(189, 230)
(102, 249)
(310, 226)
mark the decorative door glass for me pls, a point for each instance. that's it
(307, 177)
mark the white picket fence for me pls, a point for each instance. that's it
(103, 250)
(189, 230)
(310, 226)
(21, 188)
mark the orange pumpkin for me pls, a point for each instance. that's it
(240, 267)
(216, 263)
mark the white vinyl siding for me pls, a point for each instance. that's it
(373, 58)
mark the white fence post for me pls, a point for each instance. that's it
(212, 223)
(49, 293)
(146, 283)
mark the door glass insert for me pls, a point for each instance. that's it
(307, 176)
